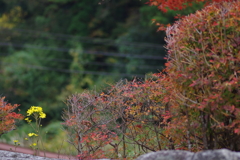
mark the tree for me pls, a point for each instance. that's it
(46, 33)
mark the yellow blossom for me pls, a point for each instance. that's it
(15, 141)
(34, 144)
(42, 115)
(32, 134)
(33, 110)
(28, 120)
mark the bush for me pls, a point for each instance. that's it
(7, 116)
(88, 123)
(125, 120)
(192, 105)
(204, 67)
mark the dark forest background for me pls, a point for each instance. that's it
(50, 49)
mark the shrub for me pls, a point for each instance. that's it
(7, 116)
(88, 123)
(204, 67)
(129, 118)
(193, 104)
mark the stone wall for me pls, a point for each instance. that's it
(221, 154)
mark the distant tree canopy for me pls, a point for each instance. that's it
(53, 48)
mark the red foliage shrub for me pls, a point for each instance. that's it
(128, 114)
(89, 124)
(7, 116)
(193, 104)
(204, 67)
(179, 4)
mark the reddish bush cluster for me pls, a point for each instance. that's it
(192, 105)
(204, 57)
(124, 119)
(89, 122)
(7, 116)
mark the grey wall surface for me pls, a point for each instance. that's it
(221, 154)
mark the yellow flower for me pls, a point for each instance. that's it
(15, 141)
(32, 134)
(28, 120)
(34, 109)
(42, 115)
(34, 144)
(26, 139)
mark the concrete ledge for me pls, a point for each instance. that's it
(221, 154)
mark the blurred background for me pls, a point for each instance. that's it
(50, 49)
